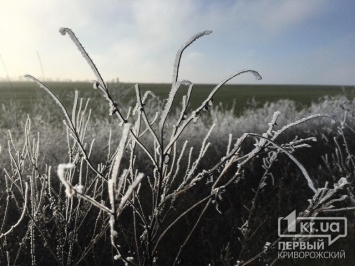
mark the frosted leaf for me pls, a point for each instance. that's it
(79, 188)
(63, 167)
(95, 84)
(112, 109)
(114, 234)
(209, 179)
(124, 121)
(143, 237)
(267, 246)
(62, 31)
(197, 116)
(166, 158)
(257, 75)
(263, 184)
(210, 102)
(185, 82)
(184, 116)
(216, 206)
(130, 189)
(181, 50)
(61, 174)
(244, 229)
(80, 47)
(220, 196)
(342, 182)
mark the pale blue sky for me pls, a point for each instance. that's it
(288, 42)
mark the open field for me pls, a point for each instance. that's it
(27, 94)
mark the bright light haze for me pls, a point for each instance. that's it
(287, 42)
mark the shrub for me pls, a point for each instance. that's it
(141, 198)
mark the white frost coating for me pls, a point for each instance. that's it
(111, 193)
(171, 97)
(61, 172)
(175, 83)
(71, 34)
(341, 183)
(130, 190)
(181, 50)
(195, 114)
(73, 115)
(300, 166)
(213, 92)
(300, 121)
(40, 84)
(119, 156)
(79, 188)
(273, 122)
(130, 259)
(22, 214)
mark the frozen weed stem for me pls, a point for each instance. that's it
(174, 185)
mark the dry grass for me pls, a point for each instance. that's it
(131, 183)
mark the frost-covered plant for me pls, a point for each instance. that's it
(323, 201)
(175, 183)
(37, 224)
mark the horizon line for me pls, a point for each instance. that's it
(168, 83)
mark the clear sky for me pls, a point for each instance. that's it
(288, 41)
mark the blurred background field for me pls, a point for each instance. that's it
(27, 94)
